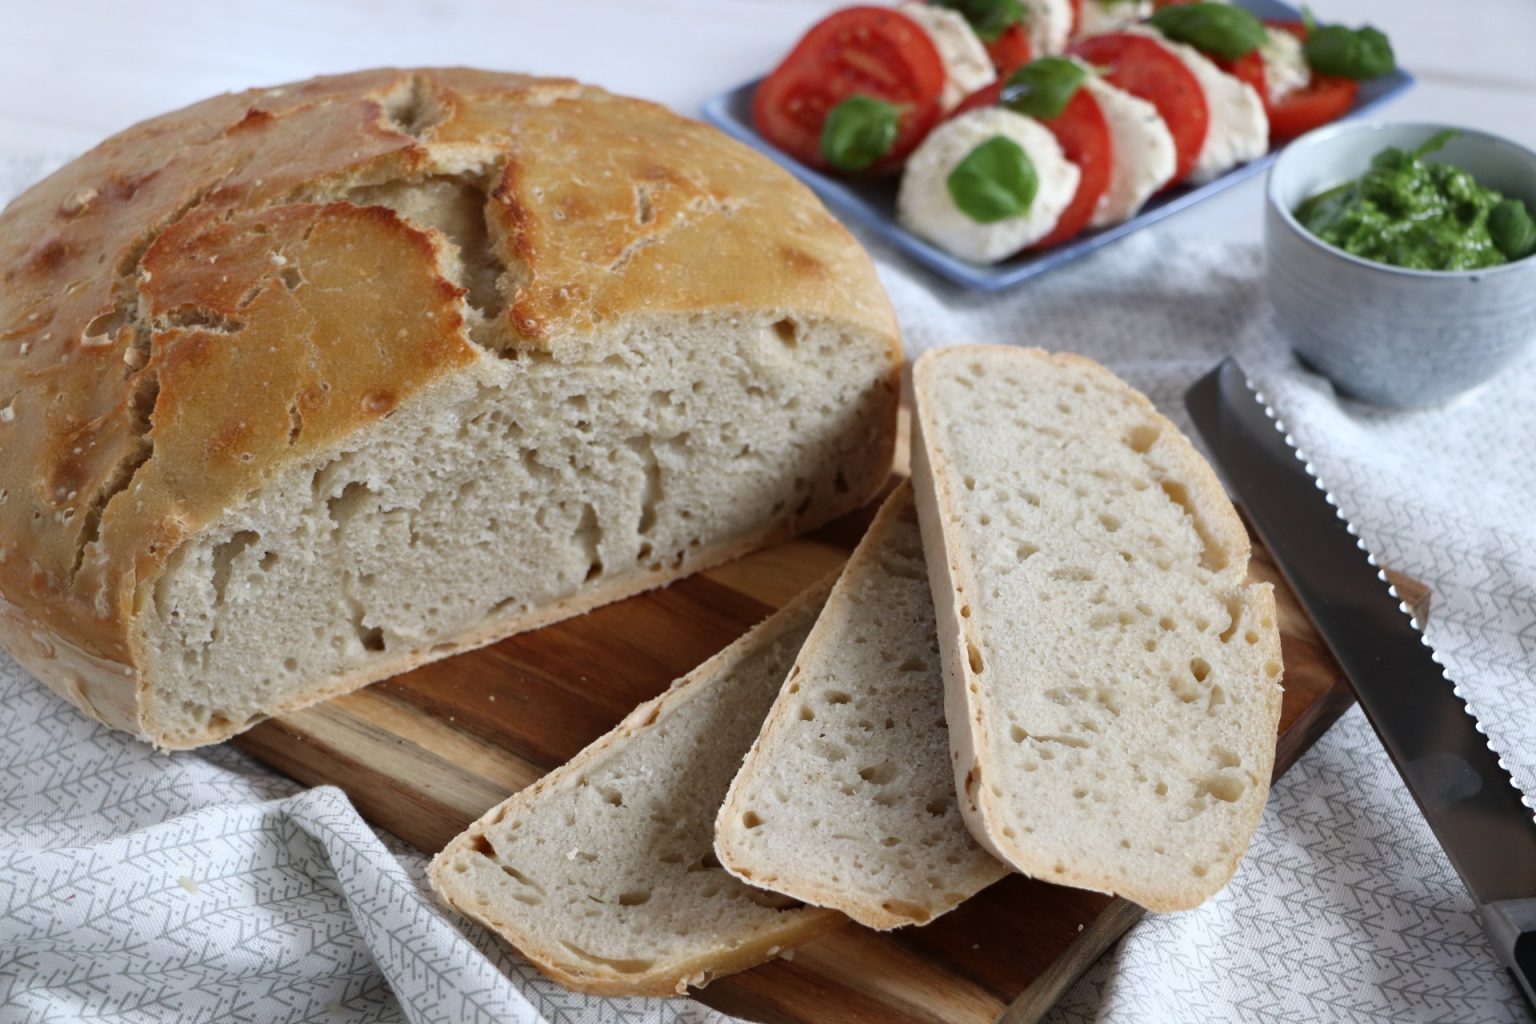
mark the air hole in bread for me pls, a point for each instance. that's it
(838, 697)
(1234, 616)
(1200, 669)
(973, 654)
(1026, 551)
(224, 559)
(611, 796)
(1109, 522)
(1072, 573)
(787, 332)
(1272, 669)
(965, 611)
(523, 880)
(481, 845)
(829, 750)
(1226, 786)
(879, 774)
(806, 714)
(1217, 698)
(635, 898)
(1212, 557)
(750, 819)
(1184, 689)
(622, 965)
(1017, 734)
(1142, 437)
(707, 861)
(912, 664)
(1161, 789)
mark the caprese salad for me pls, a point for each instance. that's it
(1017, 124)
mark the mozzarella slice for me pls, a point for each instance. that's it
(1100, 16)
(1049, 23)
(966, 64)
(1238, 129)
(1285, 65)
(1143, 152)
(925, 207)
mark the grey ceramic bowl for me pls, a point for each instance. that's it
(1382, 333)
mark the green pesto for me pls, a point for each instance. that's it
(1411, 213)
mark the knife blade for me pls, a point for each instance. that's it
(1463, 789)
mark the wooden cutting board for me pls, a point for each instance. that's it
(424, 754)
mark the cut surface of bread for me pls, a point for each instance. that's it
(603, 873)
(1111, 680)
(304, 386)
(847, 799)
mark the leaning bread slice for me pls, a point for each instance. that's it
(847, 799)
(603, 872)
(1111, 680)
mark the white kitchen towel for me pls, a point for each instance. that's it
(137, 887)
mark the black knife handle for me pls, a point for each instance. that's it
(1511, 925)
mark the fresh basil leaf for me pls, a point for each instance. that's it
(995, 181)
(988, 18)
(1224, 30)
(1349, 53)
(1042, 88)
(859, 131)
(1512, 229)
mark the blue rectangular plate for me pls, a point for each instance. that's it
(872, 204)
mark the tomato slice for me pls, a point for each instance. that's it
(1085, 140)
(1010, 51)
(1084, 136)
(1325, 98)
(870, 51)
(1247, 68)
(1143, 67)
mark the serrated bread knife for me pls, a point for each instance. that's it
(1465, 793)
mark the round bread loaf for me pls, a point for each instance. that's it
(303, 386)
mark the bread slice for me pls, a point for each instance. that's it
(1111, 682)
(847, 799)
(603, 872)
(303, 387)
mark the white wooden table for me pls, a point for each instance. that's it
(74, 71)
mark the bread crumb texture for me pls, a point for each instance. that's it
(1113, 680)
(604, 874)
(847, 799)
(303, 386)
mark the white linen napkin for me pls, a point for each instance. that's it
(137, 887)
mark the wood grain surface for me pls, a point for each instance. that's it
(424, 754)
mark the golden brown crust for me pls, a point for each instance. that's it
(157, 360)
